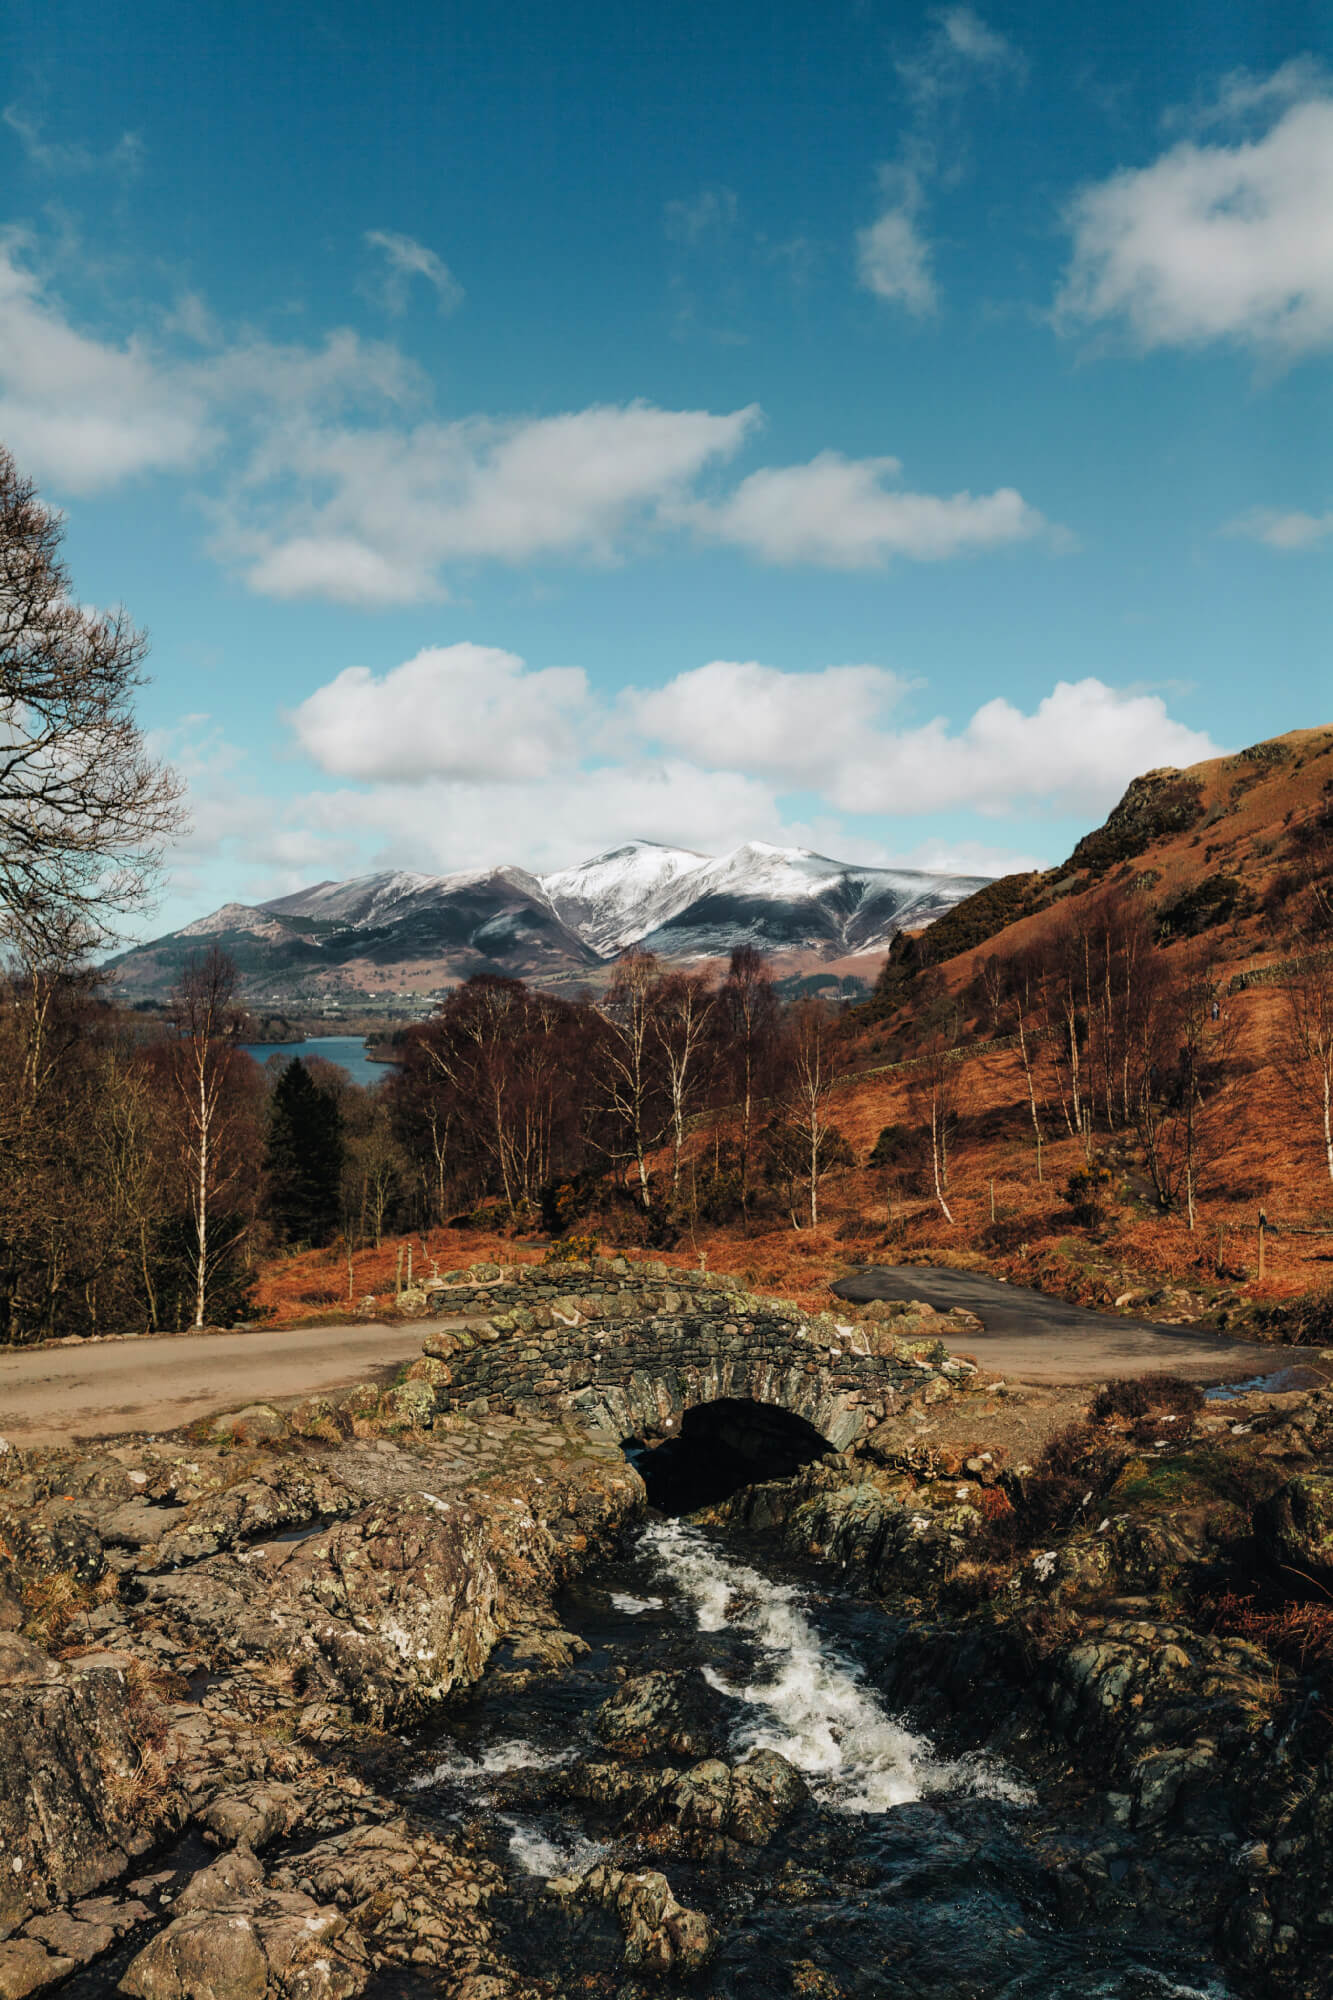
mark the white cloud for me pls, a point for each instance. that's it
(893, 261)
(80, 411)
(838, 512)
(463, 757)
(1286, 531)
(1214, 242)
(329, 478)
(459, 712)
(830, 732)
(407, 259)
(793, 726)
(395, 505)
(553, 821)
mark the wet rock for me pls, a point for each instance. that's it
(659, 1714)
(661, 1935)
(613, 1787)
(714, 1801)
(1295, 1527)
(765, 1791)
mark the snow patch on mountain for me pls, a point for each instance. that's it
(617, 897)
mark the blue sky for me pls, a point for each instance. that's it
(879, 428)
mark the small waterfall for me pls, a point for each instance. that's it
(810, 1704)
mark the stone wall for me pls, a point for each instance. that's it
(628, 1348)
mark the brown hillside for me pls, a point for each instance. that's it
(1218, 848)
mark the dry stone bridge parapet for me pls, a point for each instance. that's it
(628, 1349)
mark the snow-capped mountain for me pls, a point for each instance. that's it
(405, 930)
(618, 897)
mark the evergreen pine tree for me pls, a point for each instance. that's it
(304, 1158)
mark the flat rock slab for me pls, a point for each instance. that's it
(60, 1395)
(1035, 1338)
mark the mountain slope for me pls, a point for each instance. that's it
(1235, 851)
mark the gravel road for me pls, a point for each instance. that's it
(49, 1395)
(1035, 1338)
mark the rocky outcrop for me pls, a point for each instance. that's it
(84, 1790)
(314, 1587)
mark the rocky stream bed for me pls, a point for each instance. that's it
(369, 1698)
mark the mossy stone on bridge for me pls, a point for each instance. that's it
(629, 1350)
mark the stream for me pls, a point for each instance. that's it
(913, 1870)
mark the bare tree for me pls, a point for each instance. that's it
(84, 809)
(1007, 985)
(751, 1021)
(630, 1065)
(680, 1015)
(1304, 1040)
(1181, 1051)
(208, 1026)
(810, 1094)
(934, 1087)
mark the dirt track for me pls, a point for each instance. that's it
(1033, 1338)
(49, 1395)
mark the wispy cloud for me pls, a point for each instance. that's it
(405, 260)
(1289, 531)
(893, 253)
(712, 214)
(892, 256)
(57, 157)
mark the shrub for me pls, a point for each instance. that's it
(573, 1250)
(1088, 1193)
(1132, 1397)
(1298, 1633)
(896, 1146)
(1075, 1467)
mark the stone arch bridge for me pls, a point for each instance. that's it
(631, 1349)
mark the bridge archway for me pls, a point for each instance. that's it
(721, 1446)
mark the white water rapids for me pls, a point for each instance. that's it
(810, 1705)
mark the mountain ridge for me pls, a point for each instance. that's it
(431, 930)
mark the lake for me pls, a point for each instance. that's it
(347, 1051)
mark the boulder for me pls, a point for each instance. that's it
(659, 1714)
(661, 1935)
(257, 1423)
